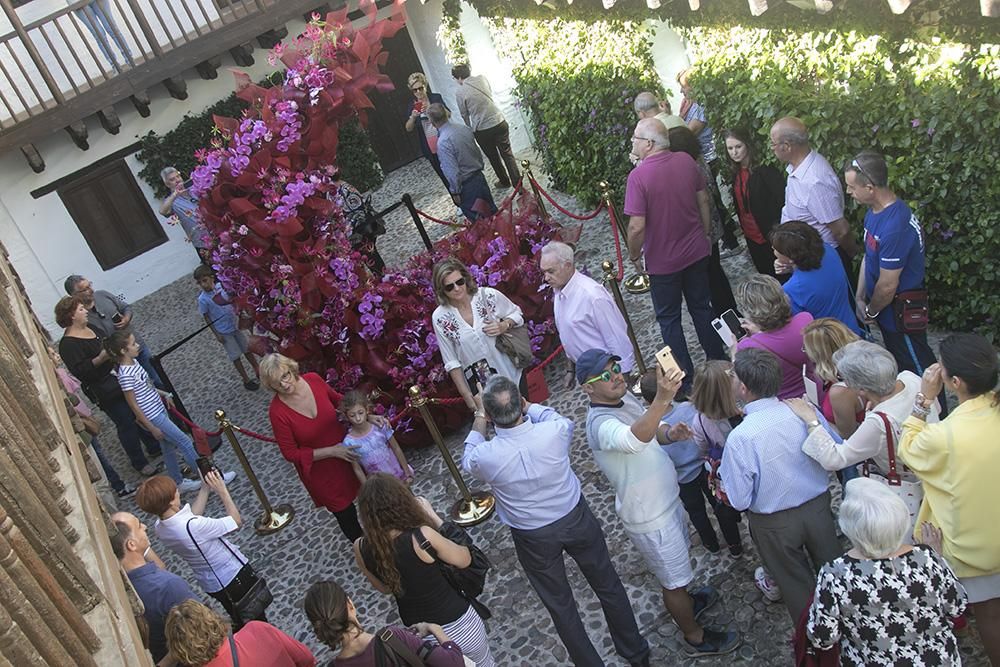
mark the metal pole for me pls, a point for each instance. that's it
(639, 283)
(526, 167)
(408, 200)
(611, 278)
(472, 507)
(273, 519)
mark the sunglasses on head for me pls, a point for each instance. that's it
(606, 375)
(857, 165)
(458, 283)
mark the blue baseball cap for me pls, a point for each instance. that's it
(591, 364)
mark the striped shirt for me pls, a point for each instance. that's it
(814, 195)
(763, 467)
(133, 378)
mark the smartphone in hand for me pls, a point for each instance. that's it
(205, 465)
(665, 358)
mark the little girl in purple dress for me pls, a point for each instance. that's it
(376, 446)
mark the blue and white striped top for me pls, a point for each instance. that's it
(134, 378)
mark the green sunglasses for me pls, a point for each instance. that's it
(606, 375)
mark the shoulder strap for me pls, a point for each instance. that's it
(424, 543)
(232, 648)
(196, 546)
(386, 637)
(893, 476)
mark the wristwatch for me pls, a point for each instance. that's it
(810, 425)
(479, 414)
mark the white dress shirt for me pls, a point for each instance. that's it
(587, 317)
(814, 195)
(208, 533)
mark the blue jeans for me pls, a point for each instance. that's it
(145, 360)
(114, 479)
(101, 23)
(174, 439)
(129, 433)
(691, 283)
(475, 191)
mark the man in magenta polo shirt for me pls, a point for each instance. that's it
(668, 208)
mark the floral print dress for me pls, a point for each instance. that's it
(893, 611)
(462, 345)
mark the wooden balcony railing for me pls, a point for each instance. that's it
(60, 63)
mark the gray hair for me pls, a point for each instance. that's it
(867, 367)
(759, 370)
(873, 518)
(646, 101)
(166, 172)
(70, 283)
(502, 401)
(437, 113)
(561, 251)
(797, 136)
(655, 131)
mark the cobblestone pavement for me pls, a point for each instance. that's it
(312, 548)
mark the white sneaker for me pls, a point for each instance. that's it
(766, 585)
(227, 477)
(189, 485)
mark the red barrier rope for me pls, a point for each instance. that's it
(447, 401)
(549, 359)
(254, 434)
(589, 216)
(438, 220)
(618, 243)
(191, 425)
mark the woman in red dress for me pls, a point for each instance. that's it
(304, 419)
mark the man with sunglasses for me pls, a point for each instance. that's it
(893, 262)
(813, 193)
(622, 436)
(538, 496)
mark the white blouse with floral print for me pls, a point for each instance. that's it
(462, 345)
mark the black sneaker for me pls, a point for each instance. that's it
(252, 385)
(703, 598)
(711, 548)
(717, 641)
(126, 491)
(735, 550)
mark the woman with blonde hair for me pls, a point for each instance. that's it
(840, 404)
(467, 322)
(767, 317)
(198, 637)
(305, 420)
(334, 619)
(398, 556)
(417, 120)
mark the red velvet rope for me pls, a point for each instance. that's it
(254, 434)
(549, 359)
(438, 220)
(589, 216)
(191, 424)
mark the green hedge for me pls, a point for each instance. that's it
(176, 148)
(932, 108)
(576, 82)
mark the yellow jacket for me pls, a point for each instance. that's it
(958, 461)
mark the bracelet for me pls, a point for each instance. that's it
(919, 410)
(479, 414)
(922, 400)
(869, 314)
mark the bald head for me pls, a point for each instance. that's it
(790, 130)
(651, 128)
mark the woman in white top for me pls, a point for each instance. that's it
(467, 323)
(871, 371)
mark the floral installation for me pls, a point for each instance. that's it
(280, 241)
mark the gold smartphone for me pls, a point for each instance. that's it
(665, 358)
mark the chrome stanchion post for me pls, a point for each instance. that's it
(273, 519)
(611, 278)
(639, 283)
(474, 506)
(526, 173)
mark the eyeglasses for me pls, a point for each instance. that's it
(641, 139)
(417, 89)
(458, 283)
(857, 165)
(606, 375)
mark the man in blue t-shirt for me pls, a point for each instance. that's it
(158, 589)
(893, 262)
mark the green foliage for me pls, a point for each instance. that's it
(449, 34)
(933, 108)
(176, 148)
(576, 81)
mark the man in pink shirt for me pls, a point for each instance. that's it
(586, 315)
(668, 208)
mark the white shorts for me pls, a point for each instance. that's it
(667, 551)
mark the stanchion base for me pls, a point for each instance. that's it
(279, 517)
(637, 284)
(465, 513)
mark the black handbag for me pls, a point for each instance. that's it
(254, 602)
(467, 581)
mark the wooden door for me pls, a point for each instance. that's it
(393, 145)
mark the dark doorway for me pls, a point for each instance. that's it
(393, 145)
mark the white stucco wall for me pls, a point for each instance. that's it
(669, 57)
(44, 242)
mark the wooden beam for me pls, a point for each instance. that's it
(34, 158)
(271, 38)
(209, 69)
(78, 133)
(110, 121)
(140, 100)
(243, 54)
(176, 86)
